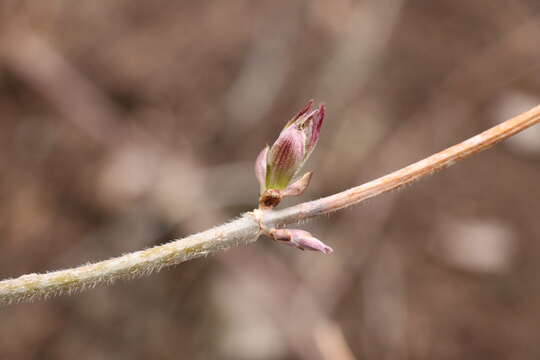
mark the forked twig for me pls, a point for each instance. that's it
(246, 229)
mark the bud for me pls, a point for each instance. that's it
(300, 239)
(276, 166)
(285, 158)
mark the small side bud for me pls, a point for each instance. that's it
(300, 239)
(299, 186)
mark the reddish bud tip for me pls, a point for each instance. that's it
(302, 112)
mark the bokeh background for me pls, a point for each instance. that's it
(125, 124)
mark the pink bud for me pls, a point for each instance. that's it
(285, 158)
(300, 239)
(290, 151)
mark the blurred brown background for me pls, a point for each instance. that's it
(124, 124)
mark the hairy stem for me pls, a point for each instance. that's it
(239, 232)
(246, 229)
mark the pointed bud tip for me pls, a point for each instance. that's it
(301, 113)
(327, 250)
(305, 109)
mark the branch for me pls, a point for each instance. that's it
(406, 175)
(246, 230)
